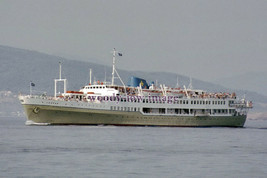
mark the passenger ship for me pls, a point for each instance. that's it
(135, 104)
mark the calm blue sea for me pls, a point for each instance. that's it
(109, 151)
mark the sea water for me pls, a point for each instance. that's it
(109, 151)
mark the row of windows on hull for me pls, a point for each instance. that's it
(174, 111)
(193, 102)
(188, 111)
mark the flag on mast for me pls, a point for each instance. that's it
(32, 84)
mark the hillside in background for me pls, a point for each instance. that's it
(19, 67)
(253, 81)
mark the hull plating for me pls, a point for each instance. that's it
(50, 115)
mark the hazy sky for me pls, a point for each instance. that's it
(206, 39)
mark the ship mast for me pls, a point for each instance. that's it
(114, 68)
(177, 84)
(90, 77)
(190, 86)
(60, 80)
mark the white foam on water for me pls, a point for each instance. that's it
(30, 122)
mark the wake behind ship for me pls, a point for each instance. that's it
(135, 104)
